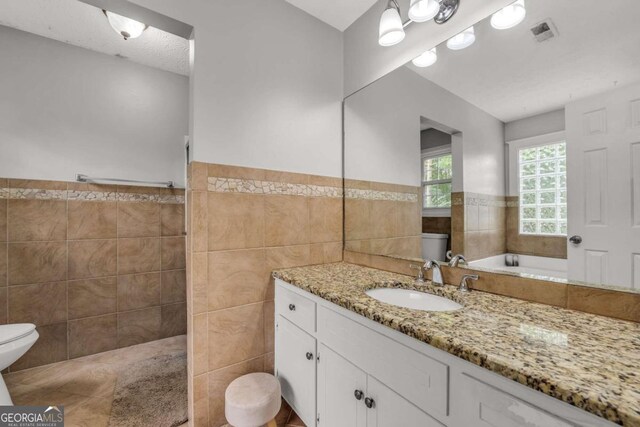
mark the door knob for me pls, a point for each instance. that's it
(292, 307)
(368, 402)
(309, 355)
(576, 240)
(358, 394)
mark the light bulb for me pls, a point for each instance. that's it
(509, 16)
(391, 30)
(126, 27)
(462, 40)
(423, 10)
(427, 59)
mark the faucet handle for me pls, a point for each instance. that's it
(464, 286)
(420, 277)
(456, 259)
(430, 263)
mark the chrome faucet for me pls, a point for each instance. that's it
(420, 277)
(456, 260)
(464, 286)
(436, 277)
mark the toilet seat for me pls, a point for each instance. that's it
(14, 332)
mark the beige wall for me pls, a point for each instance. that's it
(242, 224)
(383, 219)
(94, 267)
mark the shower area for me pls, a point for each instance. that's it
(92, 216)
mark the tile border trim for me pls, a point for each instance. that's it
(94, 196)
(255, 186)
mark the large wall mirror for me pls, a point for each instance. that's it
(518, 148)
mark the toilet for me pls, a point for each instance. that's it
(434, 246)
(15, 340)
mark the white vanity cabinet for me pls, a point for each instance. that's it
(340, 369)
(296, 362)
(342, 389)
(348, 397)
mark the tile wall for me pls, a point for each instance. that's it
(383, 219)
(439, 225)
(478, 225)
(242, 224)
(546, 246)
(94, 267)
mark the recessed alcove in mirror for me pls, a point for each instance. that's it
(521, 151)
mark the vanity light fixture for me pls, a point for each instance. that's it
(423, 10)
(391, 28)
(427, 59)
(462, 40)
(126, 27)
(509, 16)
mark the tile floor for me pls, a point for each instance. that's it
(85, 385)
(294, 421)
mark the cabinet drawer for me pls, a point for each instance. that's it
(419, 379)
(487, 406)
(300, 310)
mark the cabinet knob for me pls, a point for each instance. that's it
(292, 307)
(358, 394)
(368, 402)
(309, 355)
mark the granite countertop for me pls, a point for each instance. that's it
(589, 361)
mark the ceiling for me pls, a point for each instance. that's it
(79, 24)
(511, 76)
(337, 13)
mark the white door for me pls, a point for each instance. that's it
(296, 368)
(603, 181)
(341, 391)
(389, 409)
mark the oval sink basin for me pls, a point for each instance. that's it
(413, 299)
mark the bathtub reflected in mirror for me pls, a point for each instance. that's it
(520, 152)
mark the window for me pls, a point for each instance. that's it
(437, 173)
(543, 189)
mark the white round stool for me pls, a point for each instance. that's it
(252, 400)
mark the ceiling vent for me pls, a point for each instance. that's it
(544, 31)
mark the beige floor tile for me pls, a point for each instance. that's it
(139, 352)
(91, 380)
(94, 412)
(85, 386)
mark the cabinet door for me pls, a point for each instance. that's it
(295, 366)
(339, 381)
(486, 406)
(389, 409)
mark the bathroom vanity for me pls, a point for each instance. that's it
(345, 359)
